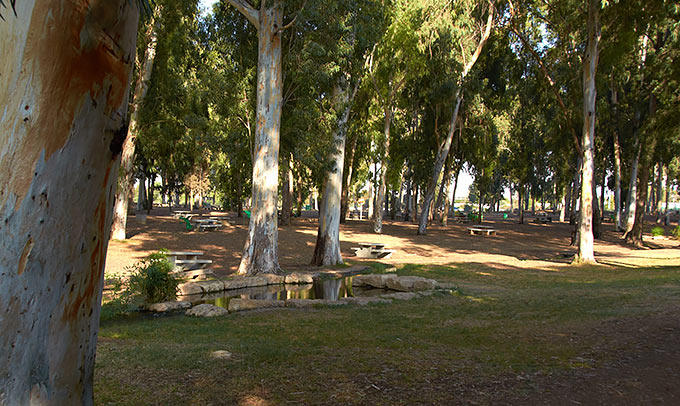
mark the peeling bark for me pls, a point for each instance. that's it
(61, 135)
(585, 252)
(379, 202)
(286, 193)
(327, 249)
(127, 171)
(260, 252)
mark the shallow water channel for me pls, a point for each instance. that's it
(329, 289)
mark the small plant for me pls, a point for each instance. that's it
(676, 232)
(152, 279)
(149, 280)
(657, 231)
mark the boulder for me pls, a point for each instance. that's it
(363, 301)
(220, 354)
(298, 303)
(207, 310)
(378, 281)
(410, 284)
(274, 279)
(237, 305)
(190, 288)
(300, 277)
(400, 295)
(169, 306)
(211, 286)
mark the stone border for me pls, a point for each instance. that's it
(241, 282)
(403, 287)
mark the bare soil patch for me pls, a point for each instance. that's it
(529, 245)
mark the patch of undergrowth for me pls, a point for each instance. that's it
(150, 280)
(506, 322)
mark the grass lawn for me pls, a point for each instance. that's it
(505, 334)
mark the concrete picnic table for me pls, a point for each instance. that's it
(188, 263)
(372, 250)
(486, 230)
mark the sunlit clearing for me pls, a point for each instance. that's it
(252, 400)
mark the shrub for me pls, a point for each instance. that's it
(152, 279)
(676, 232)
(657, 231)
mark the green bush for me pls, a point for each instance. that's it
(150, 281)
(153, 280)
(657, 231)
(676, 232)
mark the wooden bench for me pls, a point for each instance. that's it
(484, 230)
(372, 250)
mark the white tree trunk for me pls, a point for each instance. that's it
(442, 153)
(380, 200)
(126, 172)
(631, 203)
(65, 72)
(585, 252)
(260, 253)
(617, 182)
(327, 249)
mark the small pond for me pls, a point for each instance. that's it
(329, 289)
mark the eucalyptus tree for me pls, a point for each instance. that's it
(347, 33)
(126, 174)
(260, 252)
(65, 100)
(468, 30)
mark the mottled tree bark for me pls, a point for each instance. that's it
(65, 72)
(127, 170)
(327, 248)
(347, 181)
(585, 252)
(617, 165)
(632, 188)
(260, 252)
(380, 196)
(286, 193)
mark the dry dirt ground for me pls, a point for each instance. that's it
(528, 245)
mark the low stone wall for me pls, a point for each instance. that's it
(403, 287)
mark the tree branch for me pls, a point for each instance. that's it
(290, 24)
(482, 41)
(247, 10)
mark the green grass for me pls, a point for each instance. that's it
(499, 324)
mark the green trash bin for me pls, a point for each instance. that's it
(505, 216)
(247, 212)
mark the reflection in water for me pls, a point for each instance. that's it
(329, 289)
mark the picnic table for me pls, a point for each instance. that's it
(182, 213)
(543, 218)
(189, 264)
(372, 250)
(484, 230)
(208, 224)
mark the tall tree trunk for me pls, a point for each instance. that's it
(327, 249)
(141, 193)
(511, 202)
(407, 212)
(667, 212)
(378, 218)
(585, 252)
(563, 205)
(634, 236)
(286, 192)
(347, 181)
(260, 252)
(416, 192)
(127, 171)
(597, 217)
(520, 194)
(65, 72)
(604, 186)
(659, 191)
(299, 195)
(617, 172)
(632, 188)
